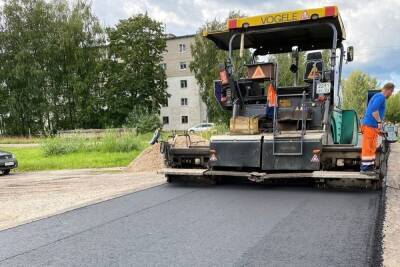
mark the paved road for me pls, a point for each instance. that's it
(191, 225)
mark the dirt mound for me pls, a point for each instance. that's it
(183, 141)
(149, 160)
(152, 160)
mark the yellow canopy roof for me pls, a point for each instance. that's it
(308, 29)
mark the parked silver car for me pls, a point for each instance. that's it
(201, 127)
(7, 162)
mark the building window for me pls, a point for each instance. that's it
(165, 120)
(163, 66)
(183, 83)
(185, 119)
(182, 65)
(182, 48)
(166, 104)
(184, 101)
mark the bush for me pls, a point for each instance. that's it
(111, 142)
(218, 129)
(59, 146)
(123, 143)
(148, 124)
(143, 122)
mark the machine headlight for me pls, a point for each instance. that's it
(12, 156)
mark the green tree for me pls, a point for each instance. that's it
(393, 108)
(135, 79)
(284, 61)
(205, 66)
(143, 122)
(50, 66)
(76, 68)
(286, 77)
(24, 34)
(355, 91)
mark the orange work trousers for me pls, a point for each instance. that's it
(368, 148)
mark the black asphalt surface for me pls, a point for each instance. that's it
(176, 225)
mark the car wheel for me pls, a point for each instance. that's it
(6, 172)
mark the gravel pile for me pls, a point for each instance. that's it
(183, 141)
(152, 160)
(149, 160)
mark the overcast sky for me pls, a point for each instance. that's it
(372, 26)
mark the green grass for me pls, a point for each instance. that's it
(111, 142)
(218, 129)
(33, 159)
(77, 152)
(20, 140)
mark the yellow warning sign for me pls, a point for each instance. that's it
(304, 16)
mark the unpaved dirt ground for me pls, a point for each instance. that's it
(149, 160)
(31, 196)
(26, 197)
(391, 239)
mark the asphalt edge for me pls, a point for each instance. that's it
(391, 250)
(376, 242)
(87, 204)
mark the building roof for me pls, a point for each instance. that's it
(171, 36)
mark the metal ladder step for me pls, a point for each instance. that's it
(293, 145)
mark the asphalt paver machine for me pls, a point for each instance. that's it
(277, 131)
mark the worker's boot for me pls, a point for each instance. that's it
(368, 170)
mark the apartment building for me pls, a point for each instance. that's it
(185, 107)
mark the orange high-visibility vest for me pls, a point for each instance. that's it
(271, 96)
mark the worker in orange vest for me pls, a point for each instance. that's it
(271, 99)
(372, 127)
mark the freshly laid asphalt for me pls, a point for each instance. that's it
(177, 225)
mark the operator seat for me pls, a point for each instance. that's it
(314, 67)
